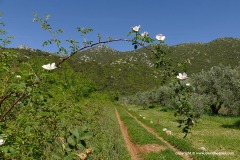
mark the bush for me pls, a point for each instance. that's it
(220, 85)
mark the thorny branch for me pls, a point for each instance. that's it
(13, 105)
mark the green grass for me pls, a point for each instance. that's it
(216, 134)
(107, 142)
(137, 133)
(164, 155)
(141, 136)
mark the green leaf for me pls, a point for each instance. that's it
(4, 68)
(76, 132)
(72, 140)
(84, 128)
(83, 143)
(45, 43)
(70, 157)
(86, 136)
(27, 130)
(57, 156)
(68, 149)
(4, 149)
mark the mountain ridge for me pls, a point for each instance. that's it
(226, 39)
(129, 72)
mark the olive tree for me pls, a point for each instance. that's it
(221, 87)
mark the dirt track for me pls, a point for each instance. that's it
(134, 149)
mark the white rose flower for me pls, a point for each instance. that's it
(136, 28)
(49, 66)
(182, 76)
(18, 76)
(160, 37)
(144, 34)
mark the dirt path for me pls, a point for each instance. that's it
(149, 129)
(132, 148)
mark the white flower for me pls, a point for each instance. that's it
(144, 117)
(188, 84)
(164, 129)
(144, 34)
(49, 66)
(140, 115)
(168, 132)
(182, 76)
(160, 37)
(151, 122)
(18, 76)
(2, 141)
(136, 28)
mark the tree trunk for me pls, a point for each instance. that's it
(216, 107)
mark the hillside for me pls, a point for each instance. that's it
(133, 71)
(116, 72)
(126, 73)
(225, 51)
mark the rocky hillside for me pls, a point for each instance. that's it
(130, 72)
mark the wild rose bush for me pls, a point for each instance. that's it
(35, 98)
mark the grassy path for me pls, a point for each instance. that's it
(132, 148)
(143, 142)
(152, 131)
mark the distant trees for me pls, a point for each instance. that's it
(212, 91)
(157, 96)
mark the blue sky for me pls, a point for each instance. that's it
(180, 21)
